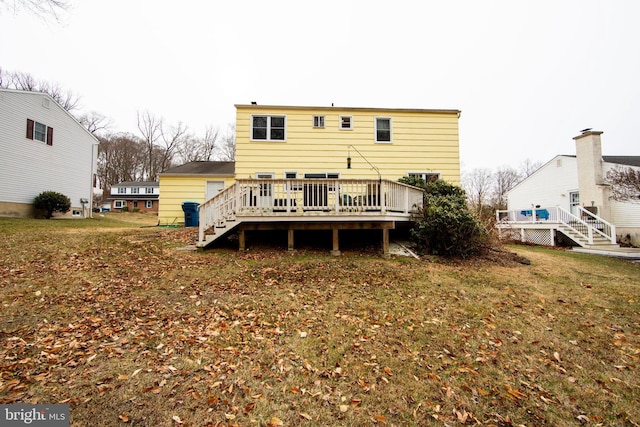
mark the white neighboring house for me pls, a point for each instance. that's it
(43, 148)
(575, 184)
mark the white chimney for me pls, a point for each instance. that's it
(594, 193)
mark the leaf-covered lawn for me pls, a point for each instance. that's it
(129, 330)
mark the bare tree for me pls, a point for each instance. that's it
(172, 138)
(504, 179)
(478, 185)
(25, 81)
(528, 167)
(121, 157)
(227, 148)
(42, 8)
(95, 122)
(625, 183)
(150, 128)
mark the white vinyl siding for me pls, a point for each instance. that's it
(28, 168)
(549, 186)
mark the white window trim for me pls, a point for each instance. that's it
(350, 123)
(294, 187)
(148, 204)
(320, 119)
(424, 175)
(119, 204)
(265, 175)
(44, 134)
(375, 125)
(122, 190)
(268, 139)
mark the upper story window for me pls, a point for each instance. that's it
(148, 190)
(268, 128)
(39, 132)
(346, 122)
(383, 129)
(426, 176)
(122, 190)
(318, 121)
(135, 190)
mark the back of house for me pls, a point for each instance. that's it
(344, 142)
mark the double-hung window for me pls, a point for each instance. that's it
(135, 190)
(268, 128)
(39, 132)
(122, 190)
(383, 129)
(318, 121)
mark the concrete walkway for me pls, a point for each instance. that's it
(626, 253)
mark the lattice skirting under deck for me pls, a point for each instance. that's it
(535, 236)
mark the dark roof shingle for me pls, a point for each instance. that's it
(202, 168)
(623, 160)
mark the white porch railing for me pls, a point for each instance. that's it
(307, 197)
(586, 225)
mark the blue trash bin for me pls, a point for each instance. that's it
(190, 210)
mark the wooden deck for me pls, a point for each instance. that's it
(307, 204)
(540, 225)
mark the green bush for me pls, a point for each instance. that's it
(124, 209)
(445, 225)
(50, 202)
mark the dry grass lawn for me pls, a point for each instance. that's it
(116, 321)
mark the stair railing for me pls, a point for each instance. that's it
(599, 225)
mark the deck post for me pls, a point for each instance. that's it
(242, 244)
(290, 239)
(336, 245)
(385, 241)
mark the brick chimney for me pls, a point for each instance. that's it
(593, 190)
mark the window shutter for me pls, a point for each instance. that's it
(49, 136)
(29, 128)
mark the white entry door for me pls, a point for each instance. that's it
(574, 202)
(213, 188)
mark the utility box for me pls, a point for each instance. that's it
(190, 210)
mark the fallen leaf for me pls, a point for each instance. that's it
(177, 419)
(381, 419)
(305, 416)
(344, 408)
(124, 418)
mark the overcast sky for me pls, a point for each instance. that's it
(527, 75)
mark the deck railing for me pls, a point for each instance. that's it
(307, 197)
(585, 224)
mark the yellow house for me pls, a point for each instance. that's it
(334, 168)
(296, 141)
(191, 182)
